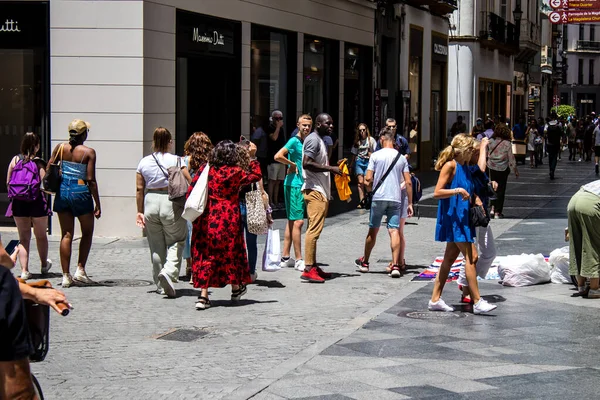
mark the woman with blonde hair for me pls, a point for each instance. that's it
(454, 189)
(196, 152)
(165, 227)
(364, 146)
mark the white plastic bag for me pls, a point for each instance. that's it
(559, 264)
(524, 270)
(196, 202)
(272, 254)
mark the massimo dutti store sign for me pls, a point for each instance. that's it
(23, 25)
(204, 35)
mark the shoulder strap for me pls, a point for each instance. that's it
(495, 147)
(160, 166)
(387, 172)
(83, 158)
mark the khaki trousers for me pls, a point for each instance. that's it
(316, 208)
(167, 232)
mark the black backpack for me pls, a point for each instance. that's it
(554, 134)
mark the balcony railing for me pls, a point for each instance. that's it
(496, 28)
(589, 45)
(530, 32)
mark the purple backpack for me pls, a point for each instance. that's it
(24, 184)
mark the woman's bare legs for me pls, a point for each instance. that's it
(67, 227)
(452, 252)
(40, 230)
(85, 244)
(24, 228)
(361, 186)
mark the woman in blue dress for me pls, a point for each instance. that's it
(453, 189)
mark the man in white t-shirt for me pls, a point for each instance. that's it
(387, 200)
(316, 190)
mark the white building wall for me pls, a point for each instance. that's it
(113, 64)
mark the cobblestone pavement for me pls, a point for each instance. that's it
(111, 346)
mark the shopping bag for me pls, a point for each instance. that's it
(272, 254)
(256, 216)
(196, 202)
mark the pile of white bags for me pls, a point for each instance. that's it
(559, 264)
(524, 270)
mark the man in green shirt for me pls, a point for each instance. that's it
(291, 155)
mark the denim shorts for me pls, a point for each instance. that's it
(360, 167)
(74, 197)
(391, 209)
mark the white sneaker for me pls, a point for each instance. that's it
(483, 306)
(25, 275)
(67, 280)
(439, 305)
(289, 263)
(47, 267)
(299, 265)
(81, 276)
(166, 284)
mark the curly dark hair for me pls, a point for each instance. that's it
(228, 153)
(502, 132)
(198, 147)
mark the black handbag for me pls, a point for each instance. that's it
(477, 215)
(53, 177)
(368, 199)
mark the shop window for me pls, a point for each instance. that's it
(357, 91)
(494, 100)
(321, 76)
(273, 75)
(591, 72)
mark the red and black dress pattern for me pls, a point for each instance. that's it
(219, 255)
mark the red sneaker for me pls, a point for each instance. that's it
(312, 276)
(323, 274)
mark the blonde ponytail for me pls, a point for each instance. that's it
(445, 155)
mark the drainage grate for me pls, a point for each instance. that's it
(184, 335)
(432, 315)
(125, 282)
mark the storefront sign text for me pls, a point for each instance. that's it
(440, 49)
(10, 26)
(574, 17)
(215, 39)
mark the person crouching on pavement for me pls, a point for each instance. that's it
(291, 155)
(485, 237)
(453, 189)
(584, 246)
(388, 170)
(317, 193)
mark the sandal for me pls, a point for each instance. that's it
(395, 271)
(203, 303)
(237, 294)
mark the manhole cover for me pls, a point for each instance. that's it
(184, 335)
(432, 315)
(125, 282)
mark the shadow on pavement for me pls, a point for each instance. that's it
(269, 284)
(239, 303)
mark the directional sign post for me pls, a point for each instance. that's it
(574, 17)
(574, 4)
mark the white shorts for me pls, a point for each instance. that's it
(276, 172)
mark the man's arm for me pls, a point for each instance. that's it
(311, 165)
(7, 260)
(275, 135)
(369, 179)
(409, 192)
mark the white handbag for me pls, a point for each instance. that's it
(196, 202)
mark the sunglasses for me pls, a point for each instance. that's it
(392, 126)
(362, 130)
(277, 118)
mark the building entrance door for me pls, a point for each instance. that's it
(437, 139)
(208, 98)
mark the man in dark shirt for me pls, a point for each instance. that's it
(275, 171)
(553, 136)
(458, 127)
(519, 129)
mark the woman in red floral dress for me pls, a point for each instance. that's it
(218, 249)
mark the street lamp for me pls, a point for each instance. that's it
(518, 15)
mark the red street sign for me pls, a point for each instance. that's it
(581, 5)
(574, 17)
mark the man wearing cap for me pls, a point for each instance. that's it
(478, 128)
(76, 198)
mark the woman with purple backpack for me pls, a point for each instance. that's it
(29, 206)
